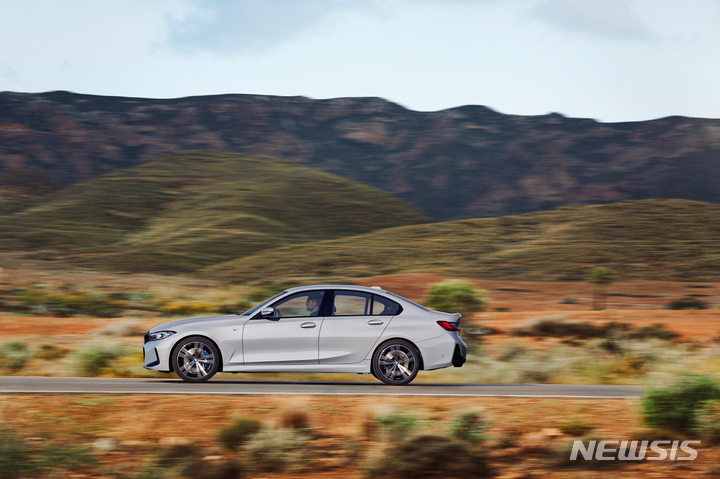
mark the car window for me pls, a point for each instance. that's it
(405, 299)
(351, 303)
(384, 307)
(299, 305)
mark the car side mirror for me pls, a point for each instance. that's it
(267, 312)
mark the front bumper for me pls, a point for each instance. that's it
(156, 355)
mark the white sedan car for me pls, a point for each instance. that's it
(318, 329)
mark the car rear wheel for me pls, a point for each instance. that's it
(195, 359)
(396, 362)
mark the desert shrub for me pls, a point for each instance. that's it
(14, 459)
(64, 457)
(50, 351)
(575, 427)
(269, 289)
(469, 427)
(70, 303)
(188, 308)
(558, 327)
(512, 351)
(91, 360)
(233, 308)
(295, 420)
(559, 455)
(18, 461)
(707, 420)
(456, 295)
(121, 329)
(15, 356)
(186, 461)
(654, 331)
(687, 303)
(238, 432)
(430, 457)
(395, 425)
(675, 407)
(278, 450)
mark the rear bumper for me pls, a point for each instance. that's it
(459, 355)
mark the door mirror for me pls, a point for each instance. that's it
(267, 313)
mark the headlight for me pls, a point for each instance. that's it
(157, 336)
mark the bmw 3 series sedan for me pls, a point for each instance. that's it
(312, 329)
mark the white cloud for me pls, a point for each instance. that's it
(602, 18)
(251, 26)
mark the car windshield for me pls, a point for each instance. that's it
(405, 299)
(257, 306)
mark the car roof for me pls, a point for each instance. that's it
(370, 289)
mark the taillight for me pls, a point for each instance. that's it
(449, 326)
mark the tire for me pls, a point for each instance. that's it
(396, 362)
(195, 359)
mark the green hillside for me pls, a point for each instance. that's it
(197, 208)
(653, 239)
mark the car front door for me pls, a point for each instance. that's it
(352, 329)
(289, 336)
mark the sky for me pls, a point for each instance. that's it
(610, 60)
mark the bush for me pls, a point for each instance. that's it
(14, 459)
(234, 308)
(655, 331)
(558, 327)
(17, 461)
(687, 303)
(675, 407)
(278, 450)
(90, 361)
(121, 329)
(50, 351)
(295, 420)
(469, 427)
(72, 303)
(238, 432)
(456, 295)
(707, 420)
(15, 357)
(395, 425)
(430, 457)
(185, 308)
(574, 427)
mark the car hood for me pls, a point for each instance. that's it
(189, 321)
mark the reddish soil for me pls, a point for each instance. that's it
(142, 424)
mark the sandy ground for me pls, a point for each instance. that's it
(527, 429)
(144, 424)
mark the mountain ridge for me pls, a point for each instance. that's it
(463, 162)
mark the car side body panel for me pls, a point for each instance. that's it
(332, 344)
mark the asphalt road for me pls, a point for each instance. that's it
(14, 384)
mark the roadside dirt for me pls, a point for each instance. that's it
(521, 439)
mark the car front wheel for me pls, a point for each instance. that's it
(195, 359)
(396, 362)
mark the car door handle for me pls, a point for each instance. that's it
(376, 321)
(308, 325)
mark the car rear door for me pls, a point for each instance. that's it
(350, 330)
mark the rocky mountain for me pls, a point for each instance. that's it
(458, 163)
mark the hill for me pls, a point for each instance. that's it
(195, 209)
(464, 162)
(650, 239)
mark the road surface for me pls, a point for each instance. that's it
(55, 385)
